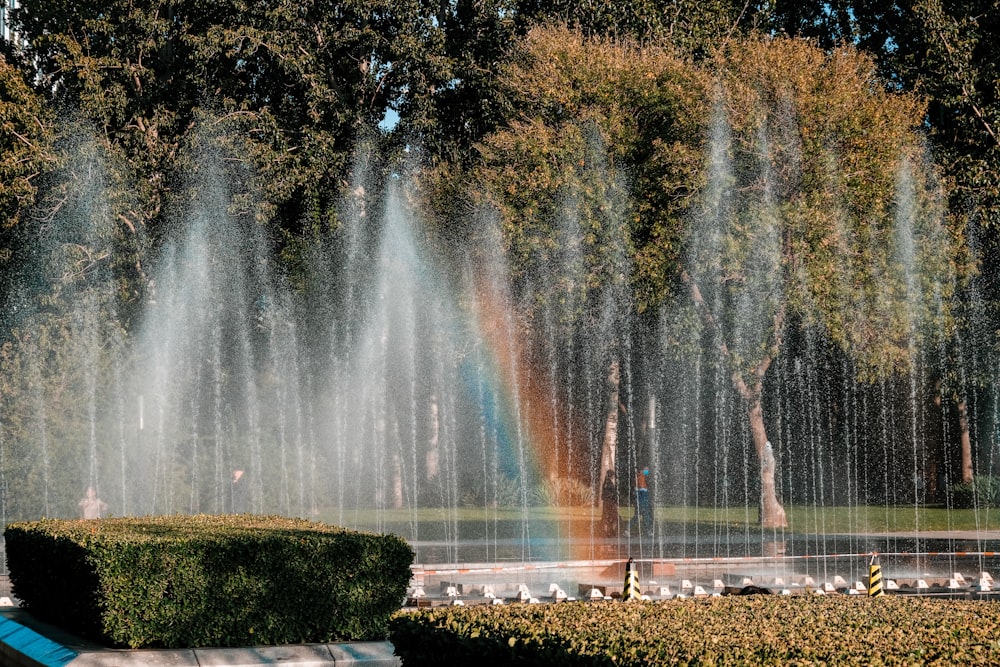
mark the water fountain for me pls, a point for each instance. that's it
(390, 387)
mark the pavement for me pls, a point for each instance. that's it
(26, 642)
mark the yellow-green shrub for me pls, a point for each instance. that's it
(733, 630)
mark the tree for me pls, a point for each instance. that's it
(66, 339)
(820, 205)
(961, 77)
(829, 24)
(26, 135)
(945, 50)
(302, 83)
(451, 100)
(694, 27)
(464, 96)
(559, 179)
(776, 181)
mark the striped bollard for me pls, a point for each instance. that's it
(631, 590)
(875, 578)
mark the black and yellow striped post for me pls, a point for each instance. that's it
(631, 591)
(875, 578)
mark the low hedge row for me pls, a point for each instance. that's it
(208, 580)
(733, 630)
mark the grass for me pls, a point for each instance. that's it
(801, 519)
(858, 519)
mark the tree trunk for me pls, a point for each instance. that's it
(392, 440)
(965, 439)
(650, 426)
(433, 460)
(609, 450)
(397, 481)
(772, 514)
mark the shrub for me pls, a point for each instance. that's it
(501, 492)
(563, 492)
(208, 580)
(983, 491)
(731, 630)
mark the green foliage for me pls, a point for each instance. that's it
(982, 492)
(830, 24)
(452, 100)
(696, 27)
(732, 630)
(67, 337)
(26, 135)
(945, 51)
(591, 151)
(953, 63)
(801, 203)
(854, 209)
(563, 492)
(47, 414)
(208, 580)
(601, 119)
(503, 492)
(302, 83)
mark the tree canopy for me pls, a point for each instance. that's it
(301, 83)
(816, 201)
(748, 167)
(26, 135)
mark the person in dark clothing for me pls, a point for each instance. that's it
(609, 505)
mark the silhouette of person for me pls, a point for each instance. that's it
(609, 505)
(92, 507)
(238, 492)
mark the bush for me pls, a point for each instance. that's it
(563, 492)
(503, 492)
(731, 630)
(208, 580)
(983, 491)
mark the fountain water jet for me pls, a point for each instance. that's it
(380, 392)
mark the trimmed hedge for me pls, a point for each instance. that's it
(731, 630)
(237, 580)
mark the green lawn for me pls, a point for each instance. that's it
(801, 519)
(860, 519)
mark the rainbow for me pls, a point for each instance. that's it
(519, 409)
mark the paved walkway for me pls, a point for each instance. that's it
(25, 642)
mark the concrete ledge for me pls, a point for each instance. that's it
(23, 646)
(370, 654)
(301, 656)
(125, 658)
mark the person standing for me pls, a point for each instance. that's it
(609, 505)
(643, 509)
(92, 507)
(238, 492)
